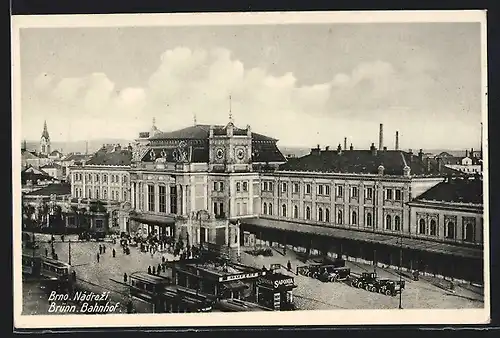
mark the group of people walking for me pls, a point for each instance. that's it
(102, 250)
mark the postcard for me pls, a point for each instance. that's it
(187, 170)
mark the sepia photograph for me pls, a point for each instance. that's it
(222, 169)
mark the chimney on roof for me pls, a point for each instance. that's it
(466, 153)
(440, 164)
(345, 143)
(397, 140)
(130, 147)
(327, 148)
(385, 148)
(471, 152)
(381, 137)
(211, 132)
(249, 131)
(351, 147)
(373, 149)
(339, 149)
(421, 154)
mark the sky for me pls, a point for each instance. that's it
(304, 84)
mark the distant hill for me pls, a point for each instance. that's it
(78, 146)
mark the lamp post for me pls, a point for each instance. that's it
(400, 267)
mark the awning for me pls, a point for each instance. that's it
(366, 236)
(153, 219)
(235, 285)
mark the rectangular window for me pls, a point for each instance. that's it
(388, 194)
(151, 198)
(283, 187)
(397, 194)
(327, 190)
(221, 209)
(320, 189)
(141, 196)
(162, 191)
(97, 178)
(221, 186)
(173, 200)
(354, 192)
(295, 188)
(245, 186)
(308, 188)
(124, 179)
(340, 191)
(125, 195)
(270, 186)
(264, 186)
(216, 186)
(238, 186)
(369, 193)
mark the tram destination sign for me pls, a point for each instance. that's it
(240, 276)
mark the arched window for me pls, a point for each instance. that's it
(469, 233)
(354, 218)
(397, 223)
(320, 214)
(295, 211)
(308, 213)
(340, 217)
(97, 193)
(264, 209)
(388, 222)
(327, 215)
(238, 186)
(283, 210)
(369, 219)
(421, 226)
(450, 230)
(90, 193)
(105, 194)
(270, 208)
(433, 229)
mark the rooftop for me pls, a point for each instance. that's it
(51, 166)
(52, 189)
(456, 190)
(115, 158)
(202, 132)
(360, 162)
(76, 157)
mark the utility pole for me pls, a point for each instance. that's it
(69, 251)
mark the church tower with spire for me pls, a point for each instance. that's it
(45, 140)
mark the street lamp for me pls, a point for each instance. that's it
(400, 268)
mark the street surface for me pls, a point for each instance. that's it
(310, 294)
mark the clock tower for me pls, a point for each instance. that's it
(230, 149)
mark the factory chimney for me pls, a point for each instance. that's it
(397, 140)
(345, 143)
(381, 137)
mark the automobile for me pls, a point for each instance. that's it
(390, 287)
(334, 274)
(365, 280)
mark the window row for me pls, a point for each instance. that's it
(162, 199)
(325, 190)
(98, 194)
(431, 228)
(241, 186)
(100, 178)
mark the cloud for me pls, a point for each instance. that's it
(197, 81)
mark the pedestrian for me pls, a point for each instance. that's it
(163, 267)
(98, 256)
(103, 249)
(149, 269)
(100, 248)
(73, 275)
(46, 252)
(159, 269)
(289, 266)
(62, 238)
(55, 257)
(154, 270)
(125, 277)
(114, 253)
(163, 259)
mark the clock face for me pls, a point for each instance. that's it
(240, 153)
(219, 153)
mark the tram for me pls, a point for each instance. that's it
(238, 305)
(31, 264)
(55, 270)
